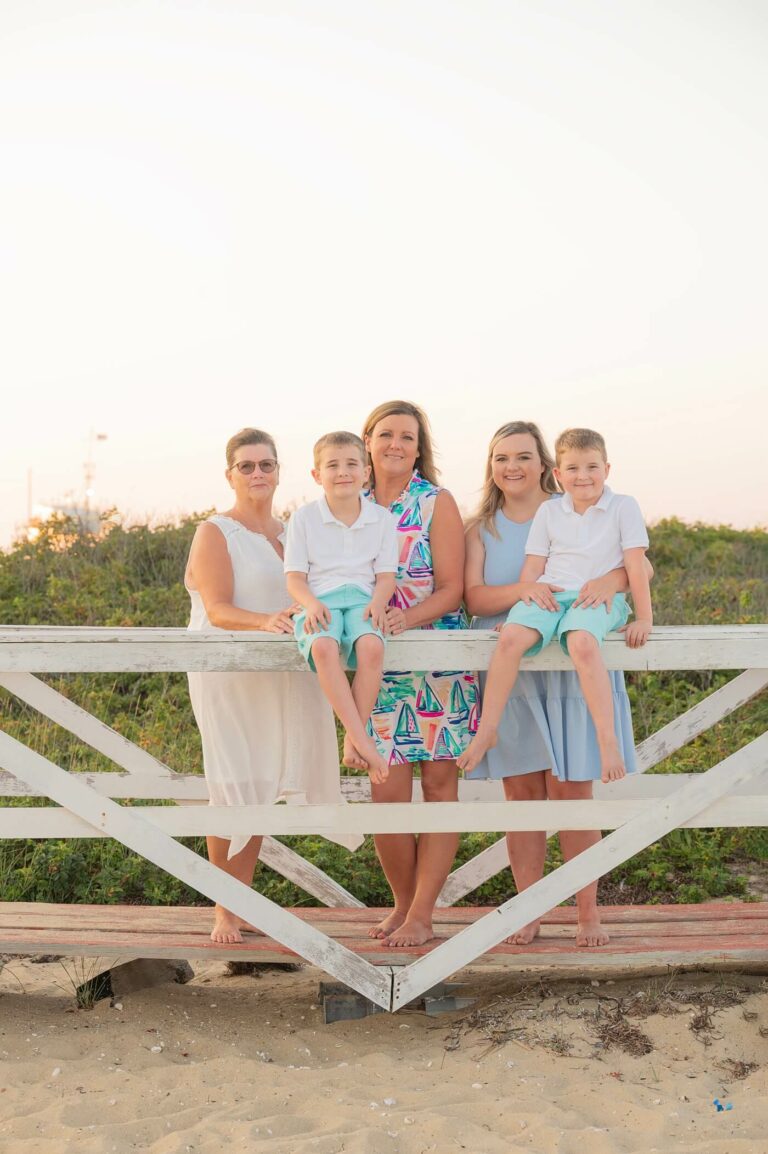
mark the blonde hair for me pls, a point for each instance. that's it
(492, 497)
(425, 458)
(247, 437)
(579, 439)
(329, 440)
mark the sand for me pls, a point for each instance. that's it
(245, 1063)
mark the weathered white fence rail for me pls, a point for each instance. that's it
(639, 809)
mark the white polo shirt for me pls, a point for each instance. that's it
(334, 554)
(580, 546)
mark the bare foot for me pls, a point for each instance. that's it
(476, 750)
(377, 768)
(226, 927)
(591, 933)
(525, 936)
(350, 757)
(391, 922)
(411, 933)
(612, 767)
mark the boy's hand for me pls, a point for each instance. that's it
(598, 591)
(539, 593)
(377, 612)
(318, 617)
(637, 633)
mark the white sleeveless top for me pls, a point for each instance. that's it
(257, 569)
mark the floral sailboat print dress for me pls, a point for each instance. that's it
(428, 716)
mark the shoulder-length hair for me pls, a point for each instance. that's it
(425, 458)
(492, 497)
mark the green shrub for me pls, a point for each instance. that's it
(705, 574)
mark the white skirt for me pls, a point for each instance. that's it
(267, 737)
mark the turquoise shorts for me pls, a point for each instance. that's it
(552, 623)
(346, 605)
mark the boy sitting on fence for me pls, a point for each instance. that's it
(340, 564)
(572, 541)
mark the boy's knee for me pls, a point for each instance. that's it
(516, 639)
(581, 645)
(369, 649)
(324, 649)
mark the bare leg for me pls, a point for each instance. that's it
(369, 652)
(325, 653)
(502, 674)
(226, 925)
(589, 931)
(527, 852)
(396, 851)
(584, 651)
(434, 857)
(527, 849)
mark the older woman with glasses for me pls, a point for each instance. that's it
(265, 736)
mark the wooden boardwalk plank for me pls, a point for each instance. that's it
(644, 939)
(180, 918)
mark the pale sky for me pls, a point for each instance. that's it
(233, 212)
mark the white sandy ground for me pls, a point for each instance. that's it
(245, 1064)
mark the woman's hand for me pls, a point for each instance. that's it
(280, 622)
(598, 591)
(396, 622)
(539, 593)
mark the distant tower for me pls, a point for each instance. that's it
(89, 468)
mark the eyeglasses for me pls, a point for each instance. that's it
(268, 465)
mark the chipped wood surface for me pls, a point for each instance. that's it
(643, 938)
(74, 649)
(396, 817)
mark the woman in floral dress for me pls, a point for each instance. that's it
(424, 718)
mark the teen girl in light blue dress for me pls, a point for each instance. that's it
(547, 746)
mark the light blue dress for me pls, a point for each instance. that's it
(546, 723)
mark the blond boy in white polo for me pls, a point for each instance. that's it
(340, 562)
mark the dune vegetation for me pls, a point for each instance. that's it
(705, 574)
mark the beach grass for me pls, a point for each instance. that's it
(132, 576)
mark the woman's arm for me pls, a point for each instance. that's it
(638, 631)
(489, 600)
(602, 590)
(209, 571)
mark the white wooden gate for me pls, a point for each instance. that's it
(639, 810)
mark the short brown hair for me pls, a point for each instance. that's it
(248, 437)
(425, 458)
(579, 439)
(342, 437)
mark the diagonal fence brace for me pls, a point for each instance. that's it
(635, 835)
(124, 824)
